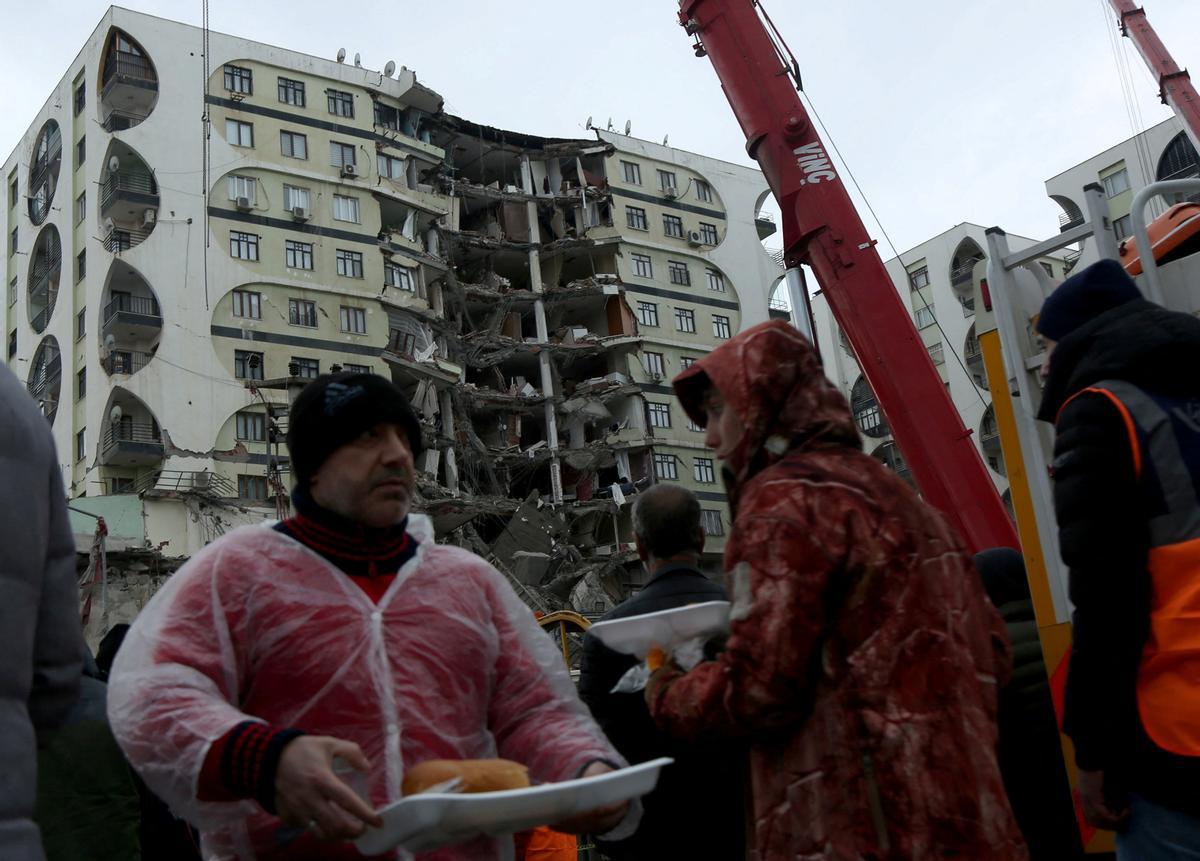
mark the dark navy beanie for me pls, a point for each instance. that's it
(1084, 296)
(334, 409)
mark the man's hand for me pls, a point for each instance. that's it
(598, 821)
(1098, 809)
(309, 795)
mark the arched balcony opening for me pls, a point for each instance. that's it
(44, 165)
(130, 321)
(45, 271)
(989, 441)
(128, 83)
(128, 198)
(867, 414)
(962, 274)
(45, 377)
(1179, 161)
(131, 437)
(889, 455)
(973, 354)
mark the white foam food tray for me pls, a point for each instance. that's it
(635, 635)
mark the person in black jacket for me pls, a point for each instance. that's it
(1122, 385)
(697, 809)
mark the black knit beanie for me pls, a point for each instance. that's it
(334, 409)
(1085, 296)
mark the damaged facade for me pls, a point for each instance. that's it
(532, 296)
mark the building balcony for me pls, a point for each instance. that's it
(129, 83)
(764, 223)
(119, 121)
(131, 317)
(961, 274)
(1067, 220)
(131, 443)
(126, 196)
(125, 362)
(123, 238)
(187, 481)
(47, 381)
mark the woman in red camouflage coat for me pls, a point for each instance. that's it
(863, 660)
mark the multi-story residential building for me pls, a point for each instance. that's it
(172, 283)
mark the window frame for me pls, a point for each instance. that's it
(722, 327)
(716, 281)
(635, 218)
(291, 86)
(242, 358)
(921, 275)
(250, 420)
(658, 414)
(638, 260)
(350, 205)
(678, 273)
(685, 320)
(342, 148)
(634, 176)
(673, 226)
(241, 240)
(653, 363)
(81, 207)
(1109, 184)
(712, 522)
(239, 126)
(704, 191)
(308, 367)
(349, 315)
(645, 312)
(303, 313)
(343, 98)
(666, 466)
(81, 445)
(243, 300)
(345, 259)
(663, 184)
(251, 482)
(704, 470)
(235, 182)
(289, 197)
(291, 137)
(708, 233)
(923, 311)
(296, 254)
(403, 273)
(239, 79)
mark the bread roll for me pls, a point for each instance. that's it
(478, 775)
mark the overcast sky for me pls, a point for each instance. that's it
(945, 110)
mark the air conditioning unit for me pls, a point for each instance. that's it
(149, 217)
(670, 192)
(243, 204)
(299, 213)
(350, 170)
(655, 377)
(694, 238)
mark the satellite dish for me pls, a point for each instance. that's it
(115, 413)
(109, 341)
(389, 68)
(664, 138)
(341, 55)
(358, 60)
(588, 124)
(114, 164)
(628, 126)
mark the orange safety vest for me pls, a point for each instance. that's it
(1161, 430)
(543, 844)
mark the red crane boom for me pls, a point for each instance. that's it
(822, 230)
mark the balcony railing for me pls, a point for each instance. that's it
(50, 373)
(127, 184)
(120, 64)
(123, 238)
(1067, 220)
(41, 275)
(968, 305)
(143, 306)
(145, 433)
(126, 362)
(119, 121)
(184, 481)
(973, 350)
(963, 271)
(43, 164)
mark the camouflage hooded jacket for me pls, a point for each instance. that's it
(864, 658)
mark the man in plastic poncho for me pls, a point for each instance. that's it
(343, 641)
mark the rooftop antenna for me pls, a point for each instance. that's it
(610, 128)
(389, 68)
(628, 126)
(588, 124)
(664, 138)
(357, 60)
(341, 55)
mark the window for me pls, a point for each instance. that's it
(243, 186)
(389, 166)
(387, 116)
(357, 369)
(632, 172)
(308, 369)
(678, 273)
(291, 92)
(341, 154)
(673, 225)
(80, 98)
(720, 326)
(121, 484)
(642, 267)
(80, 265)
(349, 263)
(1122, 227)
(12, 291)
(298, 255)
(239, 79)
(1115, 183)
(239, 133)
(635, 217)
(12, 193)
(293, 145)
(686, 362)
(12, 344)
(716, 281)
(81, 444)
(926, 316)
(703, 191)
(918, 278)
(81, 323)
(653, 363)
(708, 233)
(12, 245)
(702, 470)
(247, 304)
(340, 103)
(647, 313)
(81, 207)
(712, 522)
(294, 196)
(302, 312)
(243, 246)
(251, 426)
(666, 180)
(660, 415)
(252, 486)
(247, 365)
(81, 384)
(80, 151)
(685, 320)
(395, 275)
(354, 320)
(345, 208)
(936, 353)
(1048, 269)
(666, 466)
(692, 426)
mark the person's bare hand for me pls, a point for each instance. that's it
(309, 795)
(1098, 809)
(598, 821)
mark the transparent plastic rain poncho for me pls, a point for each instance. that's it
(449, 665)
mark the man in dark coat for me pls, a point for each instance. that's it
(1121, 386)
(697, 809)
